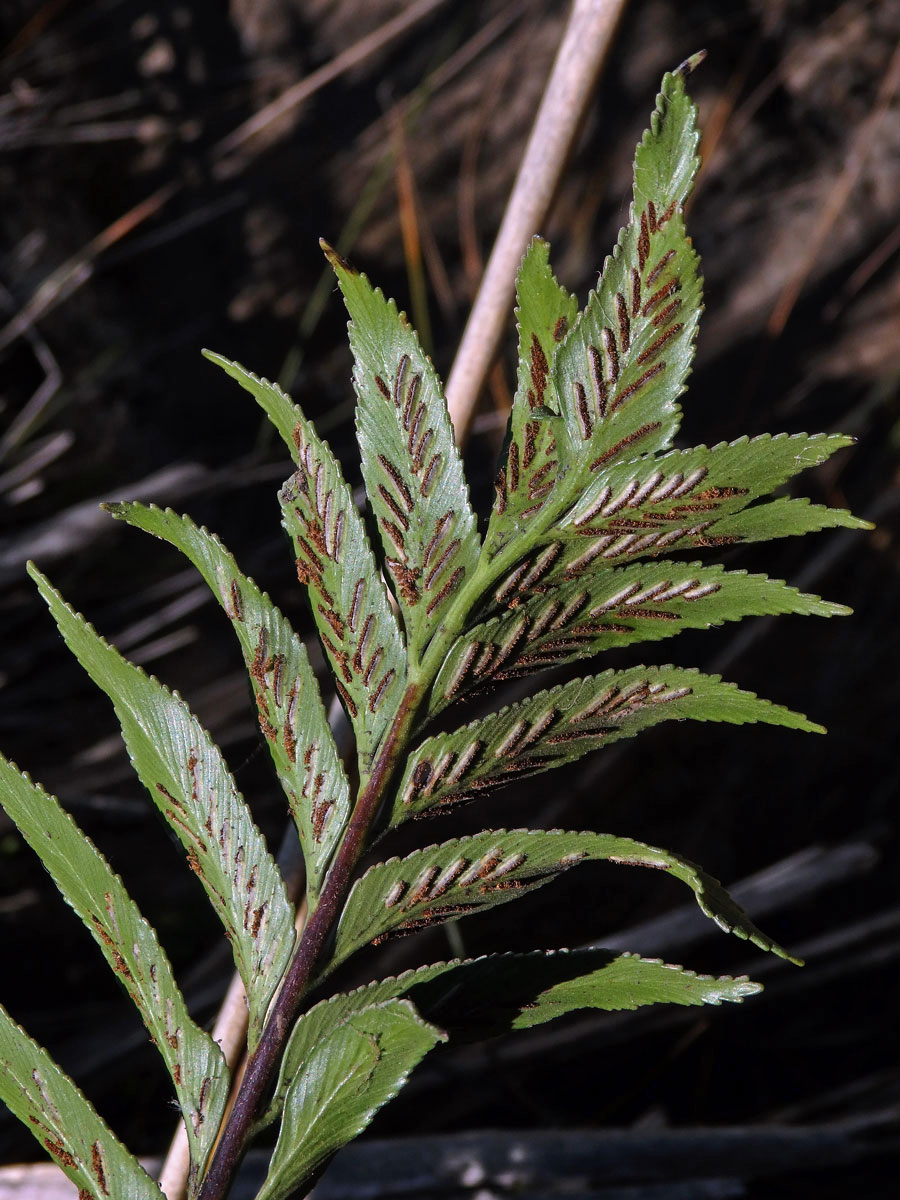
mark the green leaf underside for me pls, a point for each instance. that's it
(291, 714)
(738, 473)
(345, 1076)
(618, 372)
(186, 776)
(350, 604)
(130, 947)
(411, 466)
(497, 993)
(563, 724)
(687, 499)
(786, 517)
(57, 1114)
(581, 980)
(468, 874)
(545, 313)
(604, 610)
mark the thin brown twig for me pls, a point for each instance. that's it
(410, 232)
(70, 275)
(66, 279)
(304, 88)
(870, 266)
(34, 27)
(584, 46)
(838, 196)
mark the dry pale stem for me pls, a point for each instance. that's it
(585, 43)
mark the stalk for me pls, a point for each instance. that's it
(265, 1060)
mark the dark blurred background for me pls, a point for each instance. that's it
(132, 235)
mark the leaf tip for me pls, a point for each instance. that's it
(690, 65)
(337, 262)
(35, 573)
(747, 987)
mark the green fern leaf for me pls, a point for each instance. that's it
(785, 517)
(563, 724)
(344, 1077)
(687, 499)
(604, 610)
(487, 996)
(52, 1108)
(501, 992)
(525, 482)
(186, 776)
(468, 874)
(616, 376)
(130, 947)
(620, 370)
(291, 714)
(350, 604)
(413, 472)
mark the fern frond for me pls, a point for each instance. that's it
(469, 874)
(410, 463)
(563, 724)
(607, 609)
(291, 714)
(130, 946)
(55, 1112)
(487, 996)
(591, 503)
(185, 774)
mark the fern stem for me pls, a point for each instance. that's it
(265, 1060)
(489, 571)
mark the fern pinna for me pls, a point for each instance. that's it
(591, 504)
